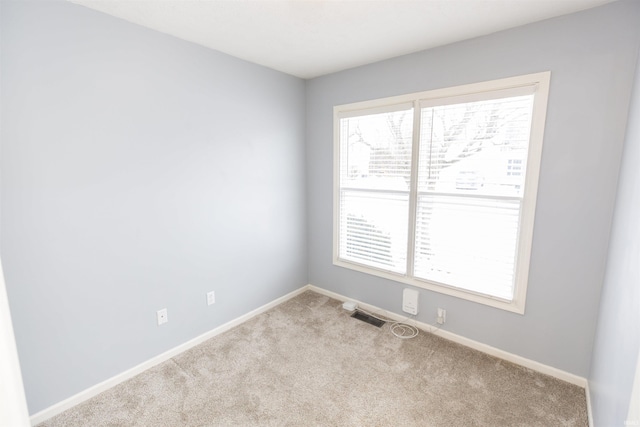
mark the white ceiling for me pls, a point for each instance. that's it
(309, 38)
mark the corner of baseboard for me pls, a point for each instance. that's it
(86, 394)
(96, 389)
(587, 392)
(467, 342)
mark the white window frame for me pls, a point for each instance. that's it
(539, 82)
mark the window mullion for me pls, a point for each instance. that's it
(413, 189)
(462, 222)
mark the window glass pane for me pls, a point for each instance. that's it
(456, 218)
(467, 242)
(376, 151)
(373, 229)
(476, 148)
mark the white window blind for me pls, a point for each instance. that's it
(468, 209)
(437, 189)
(375, 172)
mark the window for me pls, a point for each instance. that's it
(438, 189)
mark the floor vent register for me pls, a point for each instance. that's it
(368, 319)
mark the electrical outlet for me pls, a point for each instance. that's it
(442, 316)
(211, 298)
(162, 316)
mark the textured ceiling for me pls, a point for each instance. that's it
(308, 38)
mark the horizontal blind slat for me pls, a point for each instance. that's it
(469, 243)
(373, 228)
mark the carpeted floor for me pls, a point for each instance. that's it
(307, 363)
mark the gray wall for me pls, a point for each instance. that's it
(14, 410)
(617, 345)
(591, 56)
(138, 172)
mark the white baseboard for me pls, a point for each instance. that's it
(84, 395)
(587, 392)
(505, 355)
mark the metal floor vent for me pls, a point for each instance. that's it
(368, 319)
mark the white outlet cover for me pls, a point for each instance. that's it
(162, 316)
(211, 298)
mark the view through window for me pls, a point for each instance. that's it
(437, 189)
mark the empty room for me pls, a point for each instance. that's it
(319, 213)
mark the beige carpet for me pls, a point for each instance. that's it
(307, 363)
